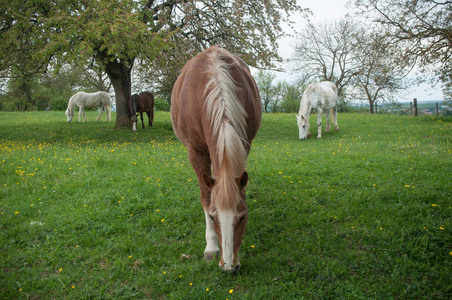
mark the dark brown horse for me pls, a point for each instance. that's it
(140, 103)
(216, 112)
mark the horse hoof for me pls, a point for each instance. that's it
(208, 256)
(319, 136)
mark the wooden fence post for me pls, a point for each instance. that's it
(415, 107)
(437, 111)
(411, 108)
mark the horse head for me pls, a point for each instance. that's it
(303, 126)
(229, 222)
(134, 122)
(69, 114)
(133, 111)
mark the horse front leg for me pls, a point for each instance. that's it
(81, 111)
(142, 122)
(201, 164)
(319, 124)
(101, 110)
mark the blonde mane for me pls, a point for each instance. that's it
(228, 121)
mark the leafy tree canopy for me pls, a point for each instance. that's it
(39, 33)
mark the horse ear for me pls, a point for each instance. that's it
(242, 181)
(208, 181)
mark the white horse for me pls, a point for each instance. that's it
(322, 96)
(82, 100)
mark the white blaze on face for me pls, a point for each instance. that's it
(226, 219)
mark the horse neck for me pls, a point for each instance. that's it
(134, 104)
(231, 155)
(72, 103)
(305, 106)
(228, 121)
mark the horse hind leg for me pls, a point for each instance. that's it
(327, 116)
(335, 118)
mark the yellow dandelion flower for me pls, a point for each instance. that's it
(73, 286)
(442, 228)
(130, 256)
(252, 246)
(61, 269)
(207, 289)
(433, 205)
(231, 291)
(163, 220)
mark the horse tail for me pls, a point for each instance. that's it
(228, 121)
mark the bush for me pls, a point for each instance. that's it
(161, 104)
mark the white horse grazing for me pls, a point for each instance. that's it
(82, 100)
(322, 96)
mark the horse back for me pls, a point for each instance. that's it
(147, 100)
(322, 94)
(188, 107)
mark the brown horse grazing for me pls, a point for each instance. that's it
(140, 103)
(216, 112)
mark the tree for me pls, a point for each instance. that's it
(290, 96)
(423, 26)
(383, 70)
(161, 74)
(51, 90)
(325, 51)
(36, 34)
(363, 62)
(264, 81)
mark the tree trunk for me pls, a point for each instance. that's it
(371, 110)
(120, 74)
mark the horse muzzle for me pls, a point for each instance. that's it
(234, 269)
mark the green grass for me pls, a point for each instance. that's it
(92, 212)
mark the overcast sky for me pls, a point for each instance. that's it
(336, 9)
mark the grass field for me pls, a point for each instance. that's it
(89, 212)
